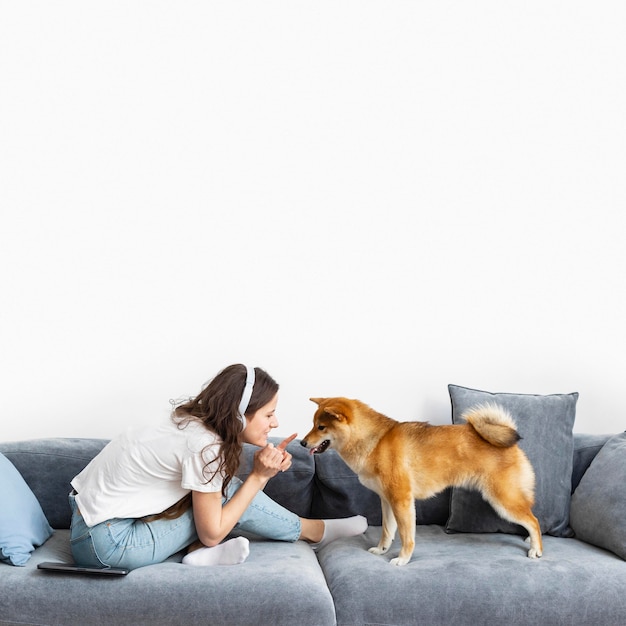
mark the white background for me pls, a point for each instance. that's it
(369, 199)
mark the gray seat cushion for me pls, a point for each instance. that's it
(470, 579)
(280, 583)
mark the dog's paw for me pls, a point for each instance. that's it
(378, 550)
(533, 553)
(399, 561)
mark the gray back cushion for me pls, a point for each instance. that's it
(48, 466)
(292, 489)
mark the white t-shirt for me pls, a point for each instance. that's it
(147, 470)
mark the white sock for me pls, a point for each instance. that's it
(336, 528)
(231, 552)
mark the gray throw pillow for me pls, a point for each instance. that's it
(598, 506)
(545, 424)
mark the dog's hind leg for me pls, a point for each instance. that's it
(531, 524)
(389, 528)
(516, 508)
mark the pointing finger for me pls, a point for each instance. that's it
(285, 442)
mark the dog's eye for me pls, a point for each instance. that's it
(321, 427)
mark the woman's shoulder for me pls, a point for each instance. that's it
(195, 433)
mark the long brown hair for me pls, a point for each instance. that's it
(217, 407)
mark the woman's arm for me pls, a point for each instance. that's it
(213, 520)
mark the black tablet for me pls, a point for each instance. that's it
(78, 569)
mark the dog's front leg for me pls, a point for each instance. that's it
(389, 528)
(404, 511)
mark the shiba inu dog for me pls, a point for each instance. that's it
(405, 461)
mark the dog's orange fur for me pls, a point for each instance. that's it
(404, 461)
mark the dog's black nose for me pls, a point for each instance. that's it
(303, 442)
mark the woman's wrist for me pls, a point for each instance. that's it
(259, 480)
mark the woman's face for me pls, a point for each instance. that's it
(258, 426)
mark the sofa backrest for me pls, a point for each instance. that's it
(585, 449)
(48, 466)
(293, 489)
(319, 486)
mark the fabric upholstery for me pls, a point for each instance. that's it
(294, 488)
(23, 525)
(586, 446)
(545, 424)
(279, 584)
(471, 579)
(38, 460)
(598, 511)
(451, 579)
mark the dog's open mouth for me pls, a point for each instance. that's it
(321, 448)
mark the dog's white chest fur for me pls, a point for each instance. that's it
(371, 482)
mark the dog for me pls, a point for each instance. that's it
(405, 461)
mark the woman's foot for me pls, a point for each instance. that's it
(231, 552)
(335, 528)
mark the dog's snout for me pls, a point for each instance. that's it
(303, 442)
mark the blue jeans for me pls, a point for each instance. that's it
(132, 543)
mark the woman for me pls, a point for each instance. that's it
(153, 492)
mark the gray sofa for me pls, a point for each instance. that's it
(453, 578)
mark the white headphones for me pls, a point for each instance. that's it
(247, 394)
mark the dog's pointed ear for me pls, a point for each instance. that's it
(336, 408)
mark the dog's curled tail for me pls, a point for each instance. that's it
(493, 423)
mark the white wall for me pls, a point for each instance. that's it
(371, 199)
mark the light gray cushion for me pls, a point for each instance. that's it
(474, 580)
(545, 424)
(280, 583)
(598, 511)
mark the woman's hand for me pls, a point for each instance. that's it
(272, 459)
(215, 520)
